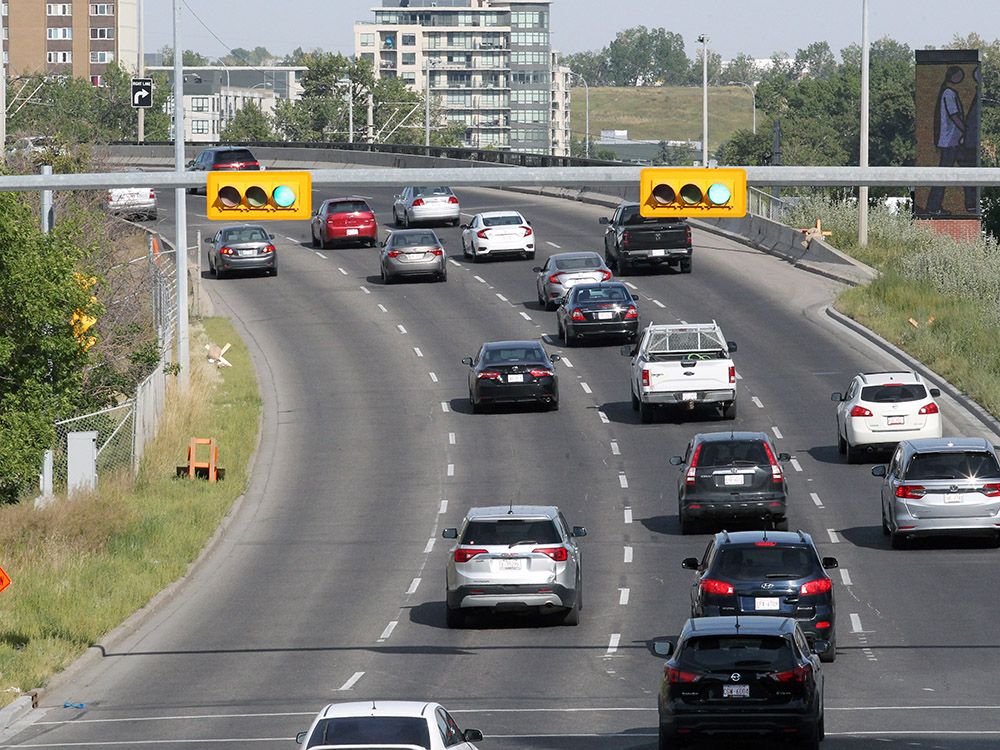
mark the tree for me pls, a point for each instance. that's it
(695, 73)
(190, 58)
(641, 56)
(248, 125)
(256, 57)
(742, 69)
(592, 66)
(815, 61)
(746, 148)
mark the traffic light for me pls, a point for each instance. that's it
(81, 320)
(697, 192)
(259, 196)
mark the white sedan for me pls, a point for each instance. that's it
(383, 724)
(496, 233)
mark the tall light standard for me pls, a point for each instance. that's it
(753, 100)
(586, 96)
(704, 99)
(863, 146)
(180, 211)
(428, 63)
(350, 108)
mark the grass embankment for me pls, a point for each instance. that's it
(81, 567)
(665, 113)
(951, 290)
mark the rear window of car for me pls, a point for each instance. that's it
(514, 355)
(420, 239)
(753, 563)
(729, 452)
(722, 653)
(969, 465)
(631, 215)
(251, 234)
(893, 393)
(510, 531)
(371, 730)
(236, 154)
(503, 221)
(435, 190)
(349, 207)
(571, 264)
(601, 294)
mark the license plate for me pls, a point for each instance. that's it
(515, 378)
(244, 253)
(657, 252)
(605, 315)
(510, 565)
(955, 497)
(734, 479)
(689, 397)
(735, 691)
(414, 256)
(897, 420)
(766, 604)
(352, 231)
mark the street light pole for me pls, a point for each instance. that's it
(180, 209)
(427, 105)
(863, 146)
(704, 99)
(753, 100)
(140, 69)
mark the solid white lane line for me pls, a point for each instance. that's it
(557, 247)
(815, 499)
(353, 681)
(628, 515)
(444, 508)
(777, 432)
(856, 623)
(630, 285)
(603, 416)
(795, 464)
(434, 378)
(416, 350)
(845, 577)
(454, 262)
(525, 315)
(658, 303)
(623, 480)
(388, 630)
(586, 388)
(502, 298)
(480, 279)
(365, 289)
(451, 470)
(451, 438)
(628, 554)
(382, 308)
(430, 544)
(834, 539)
(615, 451)
(756, 402)
(400, 327)
(343, 271)
(613, 644)
(320, 255)
(623, 596)
(565, 361)
(413, 586)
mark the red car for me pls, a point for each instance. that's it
(345, 220)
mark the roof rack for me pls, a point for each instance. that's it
(725, 534)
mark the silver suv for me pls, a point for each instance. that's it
(515, 558)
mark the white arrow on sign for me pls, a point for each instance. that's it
(139, 96)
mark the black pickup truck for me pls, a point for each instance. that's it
(631, 241)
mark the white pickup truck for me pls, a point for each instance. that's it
(682, 365)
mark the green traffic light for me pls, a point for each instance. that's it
(719, 194)
(283, 196)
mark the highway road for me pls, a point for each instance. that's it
(329, 584)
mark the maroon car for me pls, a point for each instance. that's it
(344, 220)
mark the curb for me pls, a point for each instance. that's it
(15, 710)
(966, 402)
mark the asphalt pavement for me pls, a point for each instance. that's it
(329, 583)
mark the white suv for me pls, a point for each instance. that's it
(879, 409)
(383, 724)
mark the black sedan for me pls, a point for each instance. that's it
(604, 309)
(512, 372)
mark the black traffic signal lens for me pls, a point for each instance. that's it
(229, 197)
(690, 195)
(256, 196)
(663, 194)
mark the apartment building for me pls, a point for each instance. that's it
(77, 38)
(488, 65)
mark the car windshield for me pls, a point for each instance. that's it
(509, 531)
(513, 355)
(430, 191)
(236, 154)
(754, 563)
(371, 730)
(583, 262)
(419, 239)
(729, 452)
(726, 652)
(349, 207)
(596, 295)
(245, 234)
(503, 221)
(970, 465)
(893, 393)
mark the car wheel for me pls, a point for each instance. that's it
(454, 222)
(885, 524)
(668, 740)
(454, 618)
(572, 616)
(554, 404)
(810, 739)
(567, 338)
(443, 275)
(529, 255)
(406, 219)
(312, 238)
(273, 271)
(635, 400)
(624, 267)
(151, 216)
(828, 658)
(688, 525)
(853, 454)
(645, 412)
(477, 408)
(465, 249)
(685, 266)
(781, 525)
(897, 540)
(386, 278)
(841, 443)
(729, 411)
(549, 305)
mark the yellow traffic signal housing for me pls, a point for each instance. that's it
(259, 196)
(696, 192)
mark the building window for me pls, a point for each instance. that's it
(58, 9)
(368, 57)
(409, 58)
(409, 40)
(59, 58)
(101, 56)
(367, 40)
(4, 9)
(410, 79)
(529, 18)
(103, 32)
(529, 96)
(529, 38)
(199, 104)
(199, 127)
(530, 115)
(102, 9)
(97, 81)
(59, 32)
(529, 58)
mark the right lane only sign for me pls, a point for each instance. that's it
(142, 93)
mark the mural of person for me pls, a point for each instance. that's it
(970, 145)
(949, 131)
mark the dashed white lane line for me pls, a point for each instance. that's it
(623, 480)
(444, 508)
(382, 307)
(658, 303)
(400, 327)
(623, 596)
(565, 361)
(738, 376)
(628, 554)
(777, 432)
(290, 239)
(502, 298)
(552, 244)
(480, 279)
(416, 350)
(451, 438)
(413, 587)
(815, 499)
(434, 379)
(430, 545)
(834, 539)
(353, 680)
(388, 631)
(444, 404)
(628, 515)
(454, 262)
(856, 623)
(586, 388)
(613, 644)
(603, 416)
(615, 450)
(845, 577)
(451, 470)
(795, 464)
(365, 289)
(525, 315)
(756, 402)
(342, 270)
(630, 285)
(320, 255)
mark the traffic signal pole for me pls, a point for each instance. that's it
(180, 207)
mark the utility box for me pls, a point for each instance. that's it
(81, 462)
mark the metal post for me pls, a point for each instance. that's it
(141, 71)
(46, 203)
(863, 146)
(180, 201)
(350, 113)
(753, 100)
(704, 99)
(427, 106)
(197, 274)
(3, 99)
(371, 117)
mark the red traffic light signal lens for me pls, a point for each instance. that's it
(691, 195)
(256, 196)
(663, 194)
(229, 197)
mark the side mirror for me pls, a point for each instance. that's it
(467, 361)
(731, 345)
(663, 648)
(579, 531)
(878, 471)
(381, 243)
(442, 242)
(830, 563)
(450, 533)
(783, 457)
(472, 735)
(528, 222)
(935, 392)
(463, 226)
(676, 461)
(603, 220)
(300, 738)
(537, 269)
(820, 647)
(554, 357)
(635, 298)
(209, 240)
(837, 396)
(690, 563)
(270, 236)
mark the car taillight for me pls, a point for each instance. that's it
(687, 235)
(860, 411)
(541, 373)
(225, 251)
(991, 490)
(712, 586)
(577, 314)
(482, 234)
(645, 377)
(528, 231)
(692, 474)
(910, 491)
(732, 374)
(464, 555)
(605, 275)
(393, 253)
(798, 674)
(559, 554)
(418, 202)
(437, 252)
(776, 475)
(626, 238)
(931, 408)
(268, 248)
(152, 194)
(675, 675)
(453, 200)
(631, 313)
(488, 375)
(554, 278)
(818, 586)
(765, 544)
(823, 625)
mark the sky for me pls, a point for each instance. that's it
(757, 27)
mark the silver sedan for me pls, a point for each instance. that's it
(564, 270)
(413, 252)
(243, 247)
(431, 204)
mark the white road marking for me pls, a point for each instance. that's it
(451, 470)
(353, 681)
(630, 285)
(434, 378)
(557, 247)
(444, 508)
(451, 438)
(738, 376)
(413, 586)
(454, 262)
(388, 631)
(320, 255)
(525, 315)
(795, 464)
(658, 303)
(444, 404)
(683, 322)
(292, 239)
(628, 554)
(623, 596)
(845, 577)
(382, 308)
(603, 416)
(400, 327)
(623, 481)
(342, 270)
(777, 432)
(365, 289)
(815, 499)
(502, 298)
(756, 402)
(615, 451)
(856, 623)
(628, 515)
(586, 388)
(480, 279)
(834, 539)
(613, 644)
(416, 350)
(565, 361)
(430, 545)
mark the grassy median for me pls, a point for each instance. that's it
(81, 567)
